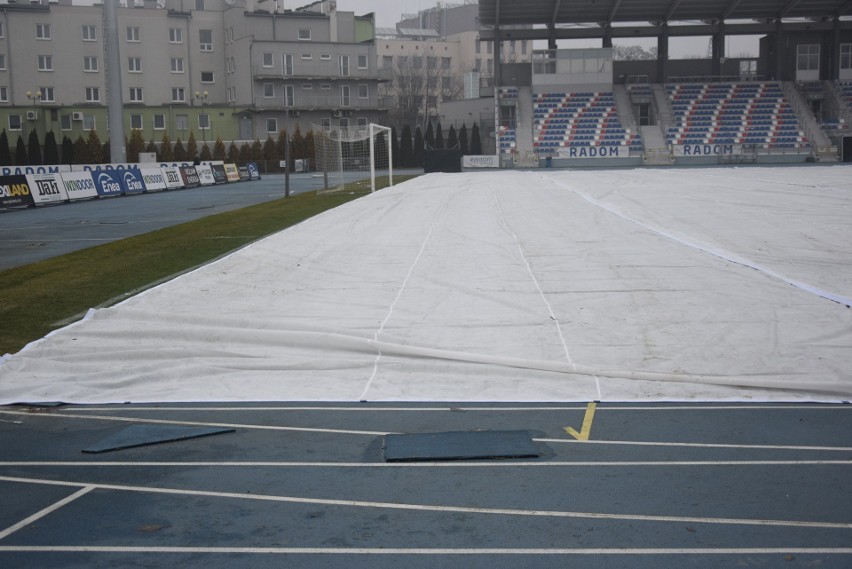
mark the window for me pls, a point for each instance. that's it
(307, 86)
(362, 122)
(490, 48)
(846, 56)
(89, 122)
(4, 94)
(344, 123)
(90, 33)
(344, 66)
(65, 122)
(45, 63)
(271, 125)
(324, 123)
(305, 34)
(478, 46)
(178, 95)
(203, 121)
(2, 62)
(362, 62)
(325, 56)
(205, 40)
(207, 77)
(387, 62)
(307, 56)
(446, 83)
(287, 61)
(136, 94)
(182, 122)
(134, 64)
(417, 61)
(199, 4)
(345, 96)
(136, 122)
(446, 62)
(807, 57)
(267, 59)
(269, 90)
(363, 91)
(175, 35)
(132, 33)
(325, 86)
(159, 122)
(93, 94)
(431, 62)
(42, 31)
(46, 94)
(90, 63)
(289, 98)
(2, 29)
(14, 122)
(176, 65)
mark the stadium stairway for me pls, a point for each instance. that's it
(656, 149)
(820, 142)
(523, 129)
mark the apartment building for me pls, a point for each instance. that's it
(235, 69)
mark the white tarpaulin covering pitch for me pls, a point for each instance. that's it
(682, 284)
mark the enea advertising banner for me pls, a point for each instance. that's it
(152, 177)
(46, 188)
(132, 181)
(107, 183)
(79, 185)
(219, 173)
(189, 176)
(232, 173)
(171, 175)
(205, 175)
(15, 192)
(254, 172)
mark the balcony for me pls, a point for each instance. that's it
(324, 71)
(305, 102)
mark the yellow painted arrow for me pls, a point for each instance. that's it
(583, 435)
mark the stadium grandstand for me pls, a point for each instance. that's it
(580, 107)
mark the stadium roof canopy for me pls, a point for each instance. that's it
(608, 12)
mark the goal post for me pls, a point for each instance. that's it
(352, 158)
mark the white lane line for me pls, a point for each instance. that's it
(200, 423)
(698, 445)
(426, 551)
(451, 464)
(442, 509)
(600, 407)
(144, 420)
(48, 510)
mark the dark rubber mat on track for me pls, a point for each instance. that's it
(459, 445)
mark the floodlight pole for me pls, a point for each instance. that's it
(286, 150)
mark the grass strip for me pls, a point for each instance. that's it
(39, 297)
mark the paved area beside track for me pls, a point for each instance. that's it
(654, 486)
(35, 234)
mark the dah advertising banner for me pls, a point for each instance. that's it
(233, 173)
(189, 177)
(108, 183)
(205, 175)
(47, 188)
(152, 177)
(15, 192)
(171, 175)
(132, 181)
(79, 185)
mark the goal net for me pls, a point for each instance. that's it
(354, 158)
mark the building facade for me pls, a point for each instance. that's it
(233, 69)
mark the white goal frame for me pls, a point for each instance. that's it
(333, 162)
